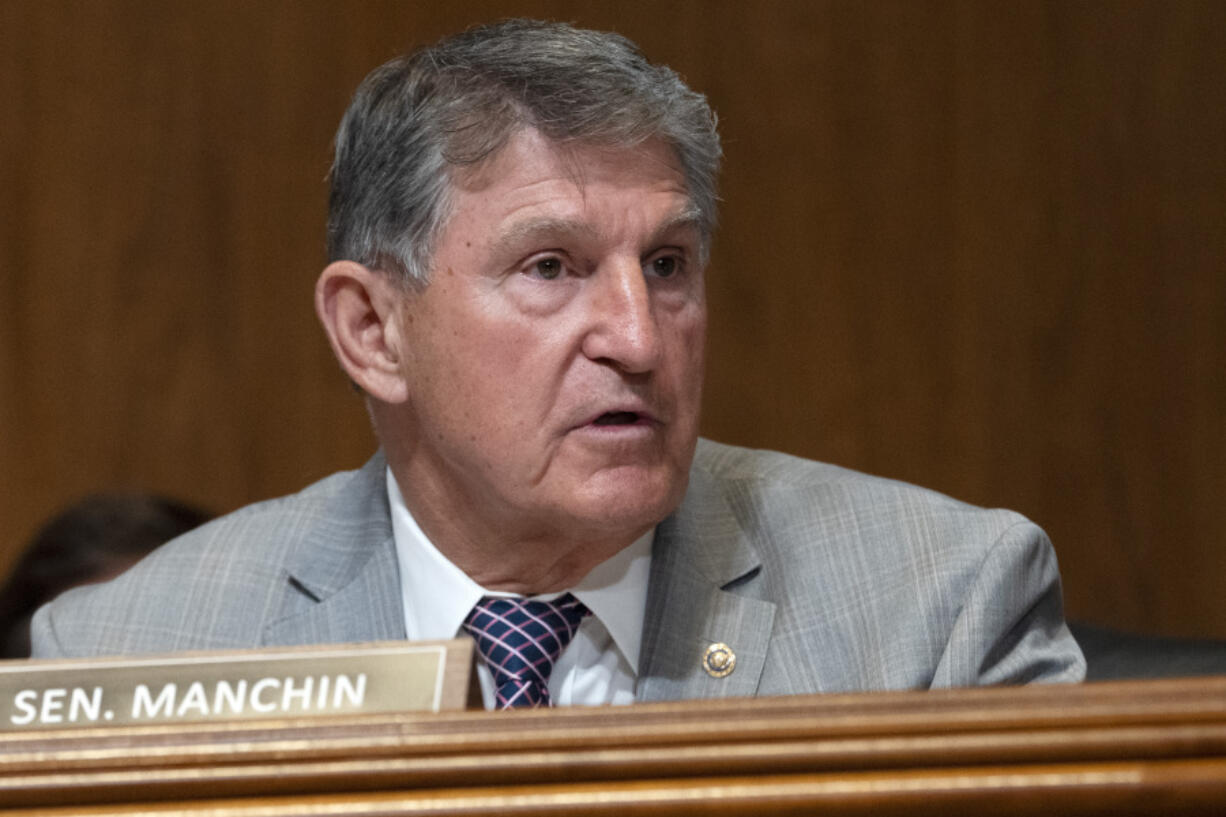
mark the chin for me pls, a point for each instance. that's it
(630, 503)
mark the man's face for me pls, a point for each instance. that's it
(554, 361)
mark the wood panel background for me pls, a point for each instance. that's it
(978, 246)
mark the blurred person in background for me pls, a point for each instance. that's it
(92, 540)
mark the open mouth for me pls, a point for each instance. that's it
(616, 418)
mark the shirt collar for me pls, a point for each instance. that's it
(438, 596)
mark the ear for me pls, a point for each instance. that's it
(359, 309)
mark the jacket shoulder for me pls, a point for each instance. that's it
(751, 477)
(880, 584)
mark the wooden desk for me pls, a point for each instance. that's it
(1155, 747)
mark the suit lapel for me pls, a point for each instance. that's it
(343, 585)
(342, 580)
(701, 554)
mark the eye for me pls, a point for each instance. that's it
(665, 266)
(548, 268)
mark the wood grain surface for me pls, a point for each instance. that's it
(1121, 748)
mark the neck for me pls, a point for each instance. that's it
(503, 553)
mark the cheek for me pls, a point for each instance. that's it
(504, 376)
(698, 338)
(689, 342)
(451, 369)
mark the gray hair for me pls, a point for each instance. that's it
(417, 120)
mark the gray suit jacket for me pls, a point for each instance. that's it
(819, 578)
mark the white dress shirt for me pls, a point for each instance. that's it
(599, 666)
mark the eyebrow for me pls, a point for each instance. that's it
(689, 218)
(528, 230)
(541, 228)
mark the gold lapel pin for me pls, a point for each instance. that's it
(719, 660)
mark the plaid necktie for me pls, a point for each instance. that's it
(520, 639)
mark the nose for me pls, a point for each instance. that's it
(623, 331)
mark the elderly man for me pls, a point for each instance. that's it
(519, 225)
